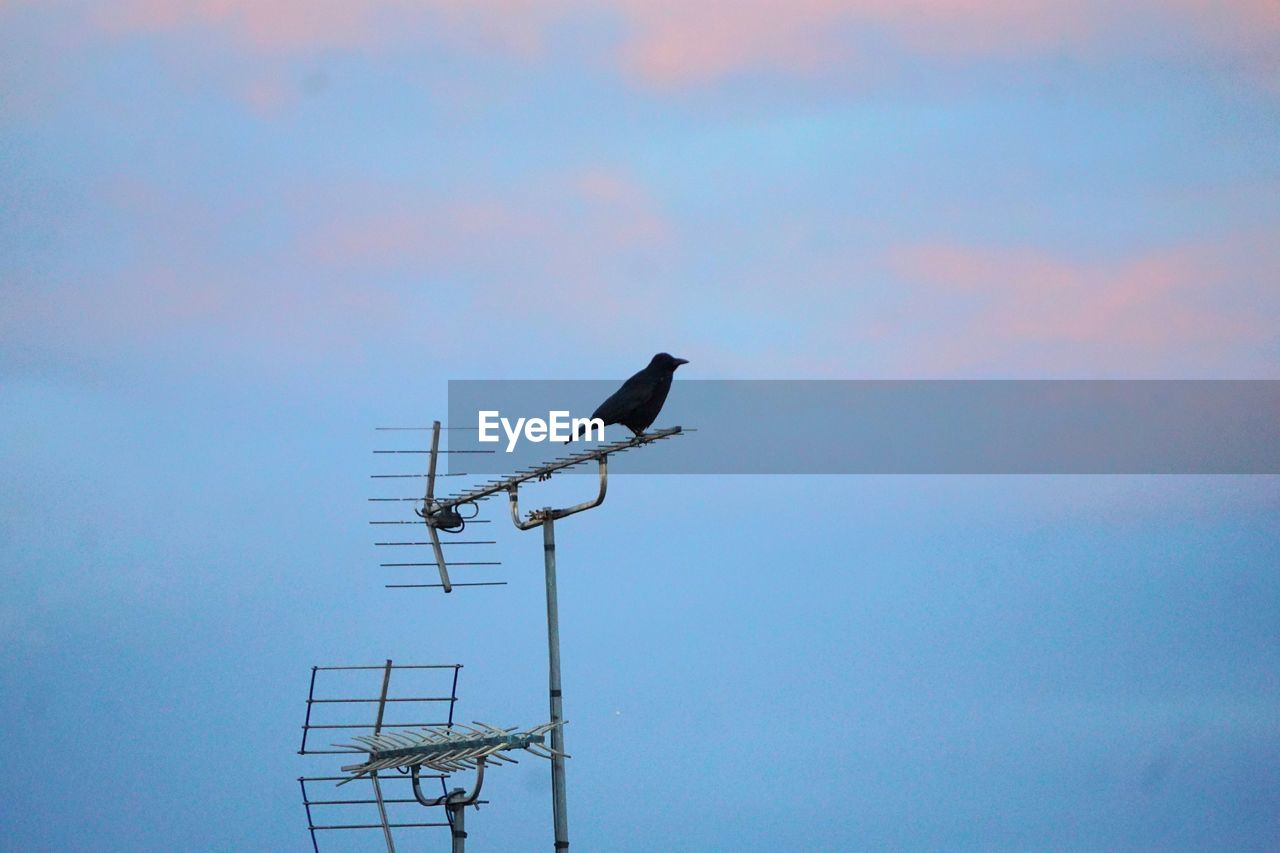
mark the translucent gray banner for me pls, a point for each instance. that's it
(895, 427)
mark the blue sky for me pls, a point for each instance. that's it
(235, 237)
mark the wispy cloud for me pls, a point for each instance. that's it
(673, 43)
(690, 42)
(1187, 309)
(270, 26)
(587, 245)
(560, 255)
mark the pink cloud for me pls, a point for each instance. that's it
(569, 255)
(179, 289)
(587, 244)
(1180, 310)
(674, 42)
(517, 26)
(193, 314)
(953, 310)
(267, 96)
(344, 282)
(591, 211)
(681, 42)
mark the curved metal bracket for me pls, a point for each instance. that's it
(454, 799)
(538, 516)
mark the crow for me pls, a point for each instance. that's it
(636, 404)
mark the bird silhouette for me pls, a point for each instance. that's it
(637, 403)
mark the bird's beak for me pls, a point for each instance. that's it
(680, 361)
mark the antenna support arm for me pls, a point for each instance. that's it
(455, 798)
(538, 516)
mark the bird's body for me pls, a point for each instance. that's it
(637, 403)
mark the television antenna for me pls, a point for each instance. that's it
(402, 751)
(396, 535)
(447, 514)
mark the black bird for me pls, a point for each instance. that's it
(636, 404)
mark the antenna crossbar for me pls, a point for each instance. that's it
(505, 484)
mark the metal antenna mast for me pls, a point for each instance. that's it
(445, 514)
(451, 515)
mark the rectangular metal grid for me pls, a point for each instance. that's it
(347, 700)
(404, 535)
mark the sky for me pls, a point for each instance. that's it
(236, 236)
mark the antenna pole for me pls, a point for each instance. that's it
(546, 518)
(558, 804)
(459, 813)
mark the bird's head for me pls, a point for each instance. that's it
(666, 361)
